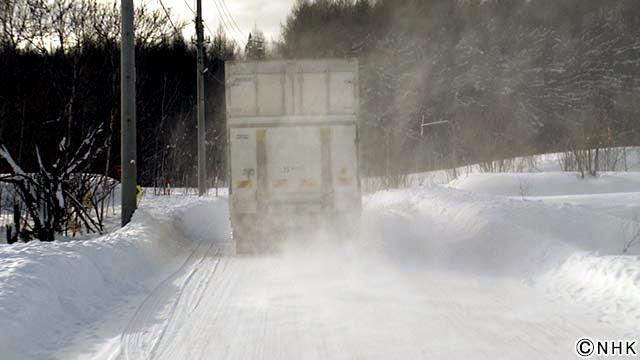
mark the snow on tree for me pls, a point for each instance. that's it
(49, 192)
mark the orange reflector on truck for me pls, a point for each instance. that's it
(308, 182)
(345, 181)
(243, 184)
(280, 183)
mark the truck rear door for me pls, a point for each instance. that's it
(293, 166)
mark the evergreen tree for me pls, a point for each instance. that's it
(256, 46)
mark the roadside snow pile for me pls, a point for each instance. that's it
(610, 280)
(547, 184)
(570, 251)
(595, 273)
(49, 289)
(463, 230)
(615, 194)
(622, 205)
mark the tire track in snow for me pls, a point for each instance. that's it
(134, 340)
(197, 294)
(192, 321)
(191, 296)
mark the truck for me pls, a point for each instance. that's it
(292, 136)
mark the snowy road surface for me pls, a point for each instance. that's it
(306, 308)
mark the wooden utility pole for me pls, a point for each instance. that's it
(128, 112)
(202, 167)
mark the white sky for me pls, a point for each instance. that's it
(266, 14)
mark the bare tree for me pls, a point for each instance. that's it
(49, 194)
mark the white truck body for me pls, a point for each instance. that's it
(293, 140)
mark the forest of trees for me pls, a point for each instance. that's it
(60, 79)
(511, 77)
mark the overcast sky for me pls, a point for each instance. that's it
(266, 14)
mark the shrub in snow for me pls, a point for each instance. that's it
(50, 194)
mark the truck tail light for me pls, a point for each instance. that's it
(281, 183)
(243, 184)
(343, 181)
(308, 182)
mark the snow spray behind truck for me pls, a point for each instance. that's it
(293, 147)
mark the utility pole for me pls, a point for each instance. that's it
(202, 167)
(128, 112)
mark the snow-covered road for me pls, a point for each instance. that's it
(309, 307)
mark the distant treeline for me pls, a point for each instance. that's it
(511, 77)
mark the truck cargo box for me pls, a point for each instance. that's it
(293, 144)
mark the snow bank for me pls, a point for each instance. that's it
(570, 251)
(612, 283)
(547, 184)
(466, 231)
(49, 289)
(622, 205)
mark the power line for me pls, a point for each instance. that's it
(166, 12)
(225, 25)
(231, 37)
(222, 20)
(225, 9)
(206, 27)
(189, 6)
(211, 34)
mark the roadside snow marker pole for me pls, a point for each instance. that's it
(128, 112)
(202, 168)
(424, 125)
